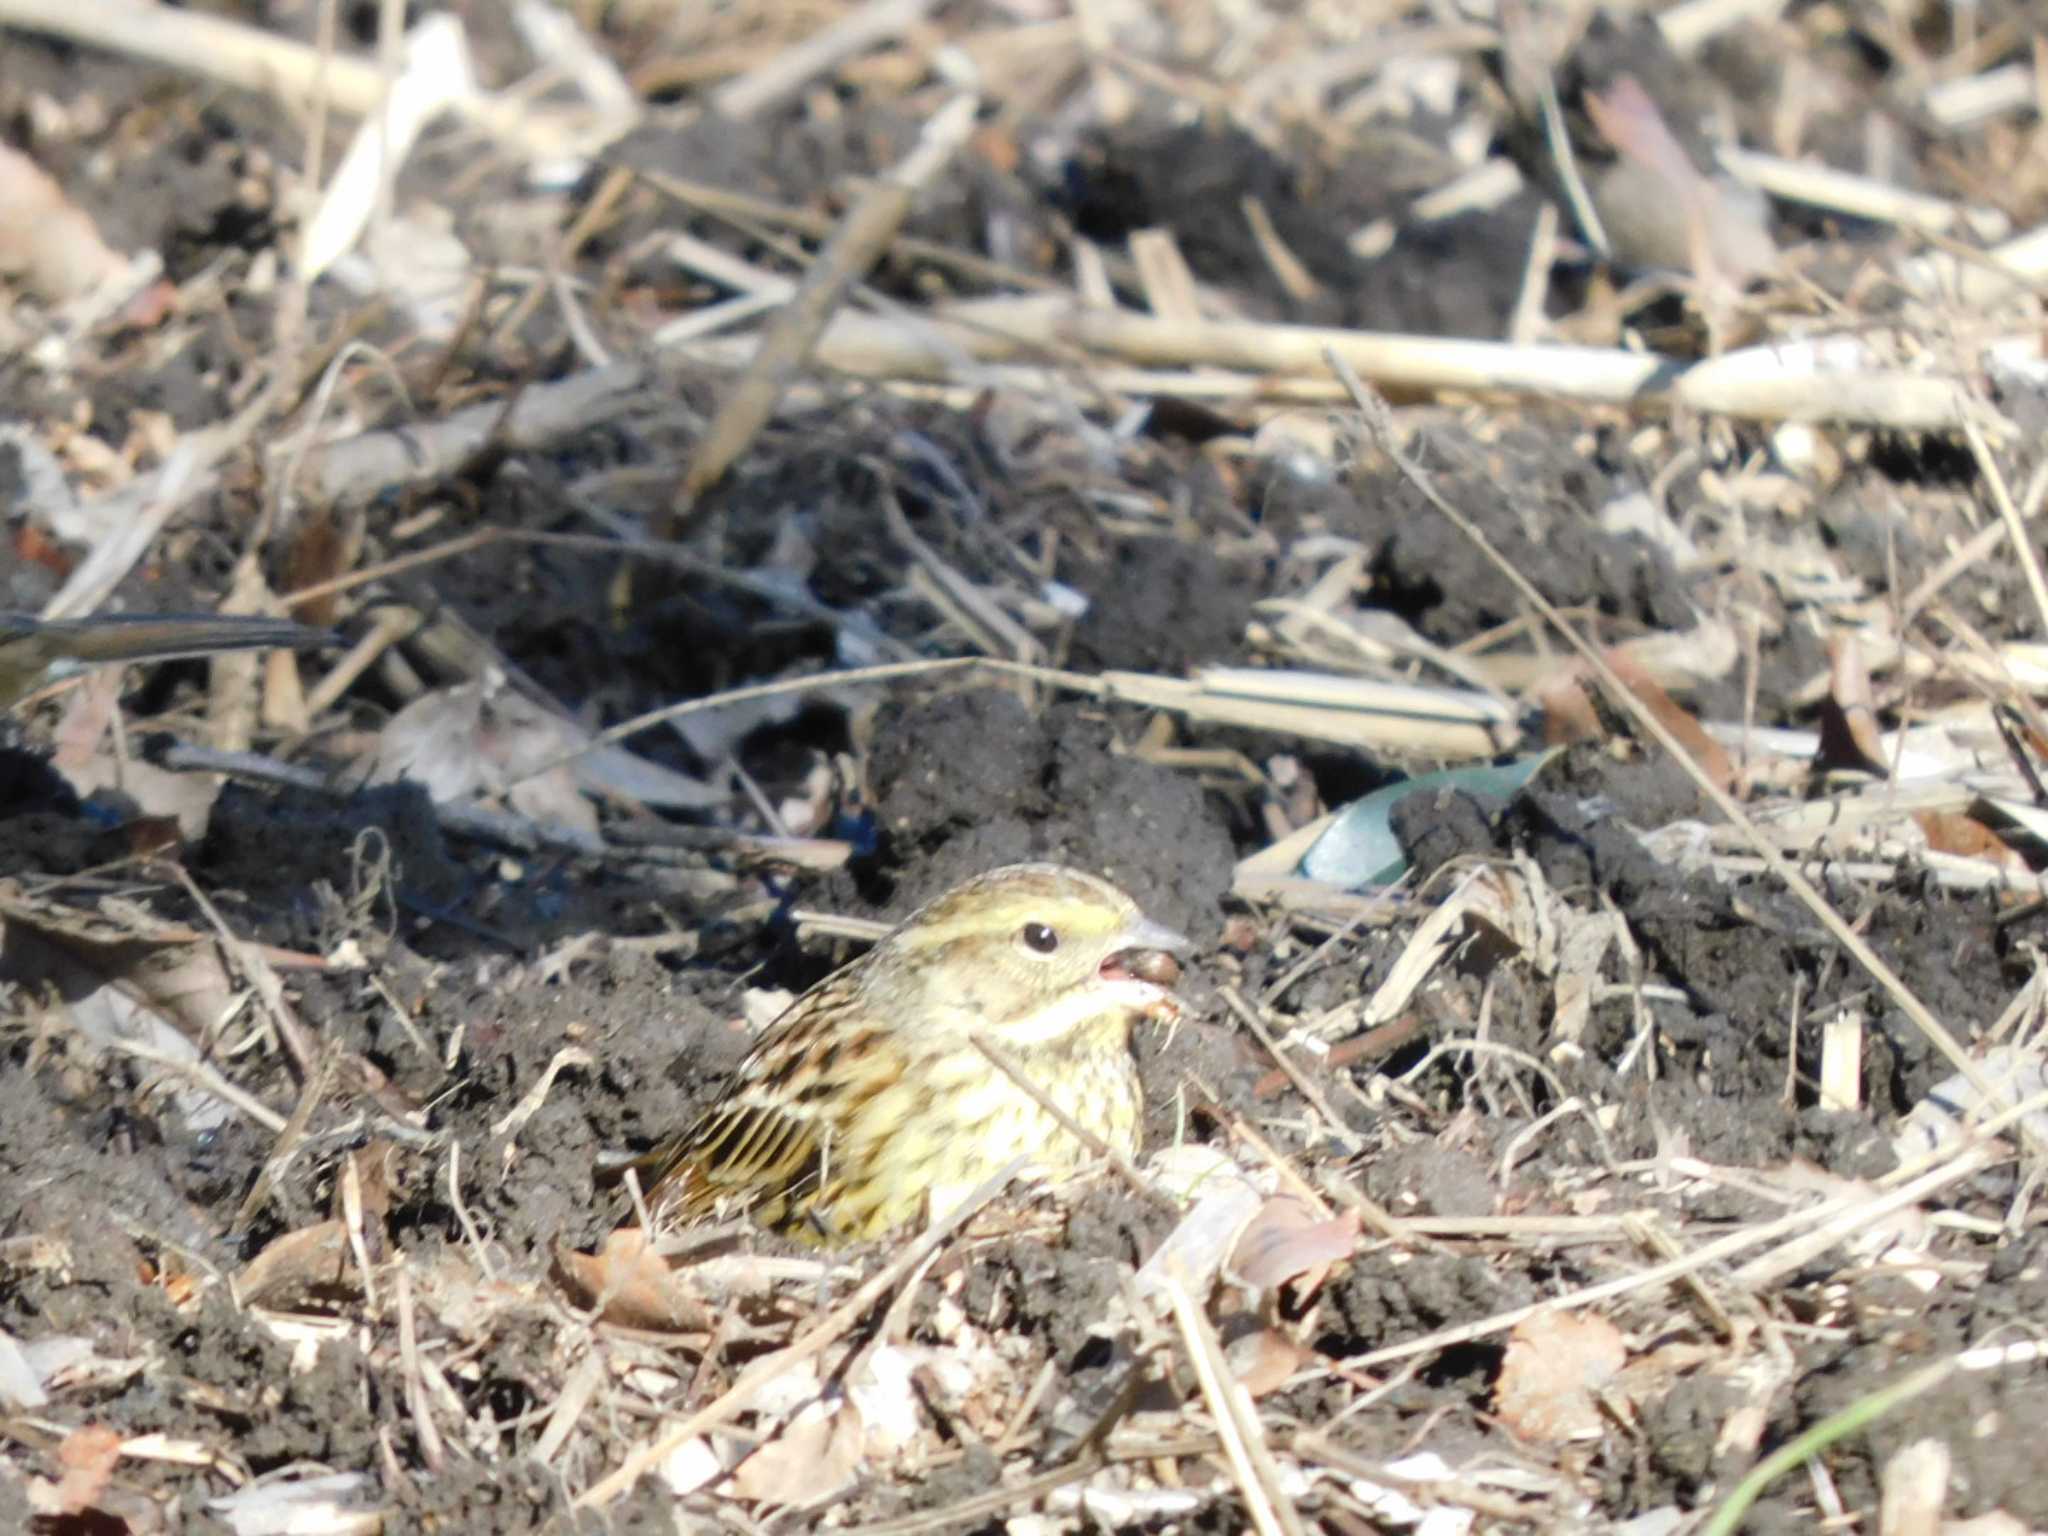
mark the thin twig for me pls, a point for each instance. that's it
(1954, 1166)
(289, 1138)
(2009, 514)
(1249, 1015)
(1092, 1459)
(204, 1077)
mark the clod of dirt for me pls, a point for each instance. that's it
(275, 848)
(1899, 1328)
(973, 780)
(1424, 1178)
(1374, 1305)
(1427, 571)
(1163, 605)
(1456, 277)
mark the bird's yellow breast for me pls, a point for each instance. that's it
(926, 1141)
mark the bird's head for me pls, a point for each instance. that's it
(1030, 952)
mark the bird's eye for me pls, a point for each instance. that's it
(1041, 938)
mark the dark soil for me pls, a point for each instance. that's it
(474, 968)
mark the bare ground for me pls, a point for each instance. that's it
(1617, 1062)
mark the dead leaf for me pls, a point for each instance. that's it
(1287, 1239)
(1224, 1199)
(1557, 1363)
(1908, 1230)
(75, 952)
(151, 306)
(88, 1456)
(884, 1391)
(92, 760)
(484, 740)
(323, 542)
(1262, 1359)
(812, 1461)
(314, 1258)
(1915, 1487)
(1665, 210)
(375, 1172)
(1995, 1522)
(1953, 832)
(332, 1504)
(631, 1285)
(47, 242)
(1570, 713)
(20, 1382)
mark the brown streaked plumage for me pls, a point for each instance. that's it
(866, 1104)
(35, 651)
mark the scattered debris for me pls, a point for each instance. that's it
(763, 465)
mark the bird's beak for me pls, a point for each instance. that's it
(1146, 934)
(1147, 954)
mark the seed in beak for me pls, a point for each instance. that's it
(1153, 965)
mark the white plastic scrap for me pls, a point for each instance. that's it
(1939, 1118)
(310, 1506)
(1393, 1507)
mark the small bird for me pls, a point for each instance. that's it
(868, 1105)
(37, 651)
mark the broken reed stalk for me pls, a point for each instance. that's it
(251, 59)
(1237, 1423)
(1828, 379)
